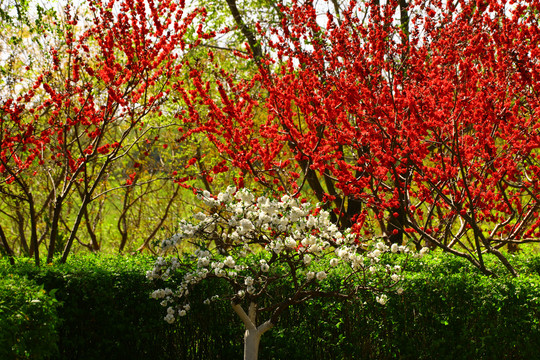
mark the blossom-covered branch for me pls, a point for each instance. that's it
(273, 253)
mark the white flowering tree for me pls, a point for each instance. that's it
(254, 244)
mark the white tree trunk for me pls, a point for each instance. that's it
(252, 336)
(251, 344)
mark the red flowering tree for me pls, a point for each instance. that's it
(415, 121)
(100, 95)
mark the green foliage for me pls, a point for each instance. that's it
(28, 320)
(107, 313)
(465, 316)
(447, 311)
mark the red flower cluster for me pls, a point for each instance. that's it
(426, 125)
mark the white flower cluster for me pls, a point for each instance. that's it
(383, 299)
(284, 230)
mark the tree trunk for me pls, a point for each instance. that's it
(252, 339)
(252, 336)
(73, 233)
(6, 246)
(249, 34)
(54, 228)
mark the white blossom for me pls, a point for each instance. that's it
(332, 230)
(229, 261)
(311, 222)
(404, 249)
(285, 229)
(308, 240)
(158, 294)
(245, 227)
(342, 253)
(277, 246)
(203, 262)
(245, 196)
(227, 195)
(316, 249)
(290, 242)
(296, 214)
(321, 275)
(152, 274)
(169, 318)
(219, 272)
(383, 299)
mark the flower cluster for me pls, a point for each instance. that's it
(252, 241)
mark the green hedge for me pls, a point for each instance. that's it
(28, 320)
(448, 311)
(107, 313)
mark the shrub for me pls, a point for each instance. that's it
(448, 310)
(28, 320)
(108, 313)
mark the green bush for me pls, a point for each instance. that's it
(108, 313)
(448, 311)
(28, 320)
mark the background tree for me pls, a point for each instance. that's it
(102, 92)
(416, 125)
(142, 180)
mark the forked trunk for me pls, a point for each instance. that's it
(252, 336)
